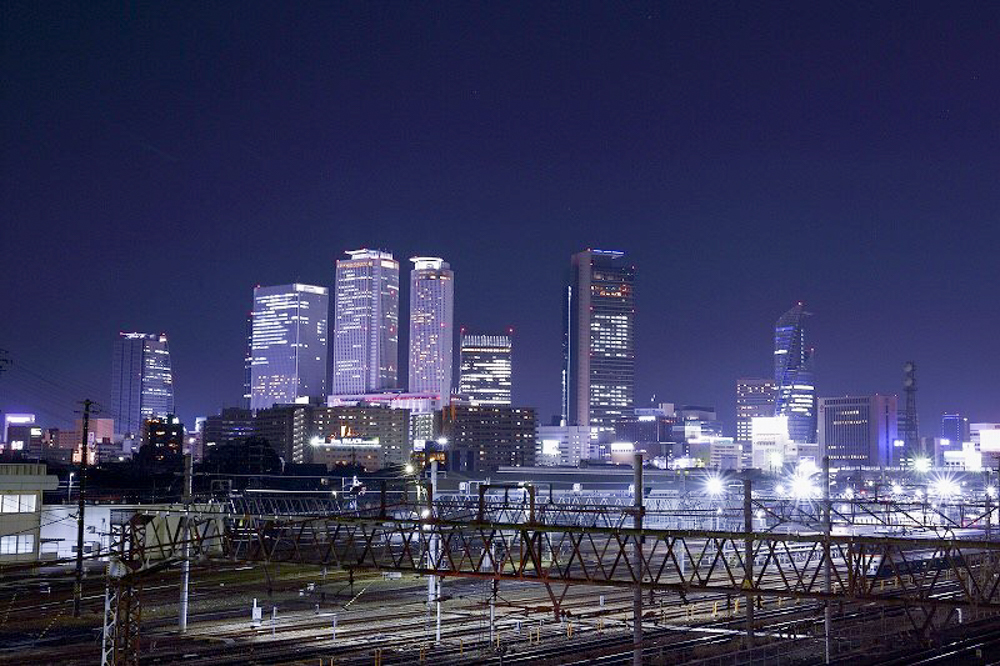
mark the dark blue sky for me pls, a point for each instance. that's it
(159, 160)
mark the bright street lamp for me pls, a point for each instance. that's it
(714, 485)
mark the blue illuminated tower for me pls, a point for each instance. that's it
(288, 348)
(142, 383)
(795, 390)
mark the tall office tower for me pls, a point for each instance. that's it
(858, 430)
(795, 391)
(142, 383)
(366, 330)
(599, 346)
(288, 344)
(754, 398)
(485, 369)
(955, 428)
(908, 428)
(432, 315)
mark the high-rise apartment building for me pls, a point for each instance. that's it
(366, 329)
(482, 438)
(142, 382)
(599, 346)
(858, 430)
(288, 344)
(795, 390)
(485, 369)
(754, 398)
(432, 315)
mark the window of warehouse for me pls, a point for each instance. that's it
(14, 544)
(17, 503)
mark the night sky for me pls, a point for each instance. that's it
(160, 160)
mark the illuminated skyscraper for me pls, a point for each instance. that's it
(795, 391)
(366, 331)
(485, 369)
(599, 347)
(754, 398)
(288, 345)
(432, 307)
(142, 383)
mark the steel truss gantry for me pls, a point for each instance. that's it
(563, 544)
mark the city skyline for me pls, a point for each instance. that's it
(777, 179)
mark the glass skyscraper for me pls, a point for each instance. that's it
(599, 346)
(432, 315)
(485, 369)
(795, 390)
(142, 382)
(366, 329)
(288, 344)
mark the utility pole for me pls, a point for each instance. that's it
(637, 593)
(78, 587)
(182, 621)
(827, 529)
(748, 559)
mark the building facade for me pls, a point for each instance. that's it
(562, 446)
(230, 425)
(482, 438)
(287, 429)
(859, 430)
(366, 328)
(955, 428)
(771, 446)
(162, 443)
(371, 437)
(599, 345)
(432, 326)
(142, 381)
(288, 345)
(485, 369)
(754, 398)
(21, 488)
(795, 390)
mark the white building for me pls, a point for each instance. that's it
(432, 314)
(562, 446)
(770, 442)
(288, 344)
(366, 329)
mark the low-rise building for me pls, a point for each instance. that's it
(21, 487)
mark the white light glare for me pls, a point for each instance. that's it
(897, 489)
(408, 468)
(802, 488)
(945, 488)
(922, 465)
(714, 485)
(426, 513)
(991, 491)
